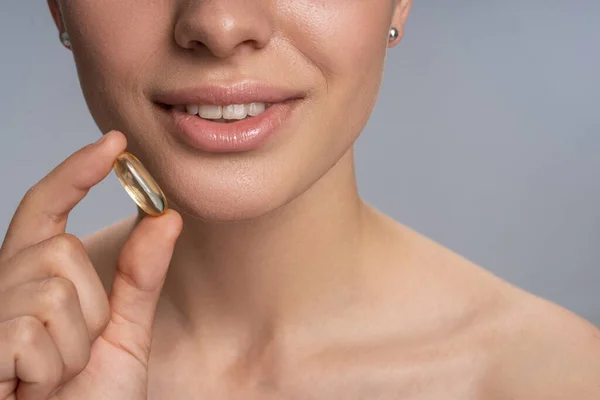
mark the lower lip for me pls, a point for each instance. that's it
(243, 135)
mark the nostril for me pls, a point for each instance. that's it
(195, 45)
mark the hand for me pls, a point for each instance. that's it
(61, 336)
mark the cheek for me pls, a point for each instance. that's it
(336, 33)
(347, 41)
(111, 52)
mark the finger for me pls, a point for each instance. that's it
(53, 302)
(44, 210)
(62, 256)
(140, 275)
(28, 358)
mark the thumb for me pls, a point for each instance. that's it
(138, 281)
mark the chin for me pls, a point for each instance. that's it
(224, 191)
(225, 208)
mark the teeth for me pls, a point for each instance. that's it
(235, 111)
(191, 109)
(226, 112)
(255, 109)
(210, 112)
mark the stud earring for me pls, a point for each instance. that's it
(64, 38)
(394, 34)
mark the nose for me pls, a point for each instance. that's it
(223, 26)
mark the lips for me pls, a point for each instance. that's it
(218, 137)
(239, 93)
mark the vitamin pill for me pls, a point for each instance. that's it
(140, 185)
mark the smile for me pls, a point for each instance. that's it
(224, 114)
(229, 118)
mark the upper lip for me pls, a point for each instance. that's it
(244, 92)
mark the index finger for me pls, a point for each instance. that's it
(44, 210)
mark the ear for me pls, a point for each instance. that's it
(56, 15)
(399, 20)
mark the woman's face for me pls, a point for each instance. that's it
(328, 55)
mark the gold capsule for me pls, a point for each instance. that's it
(140, 185)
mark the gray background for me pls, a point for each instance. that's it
(486, 136)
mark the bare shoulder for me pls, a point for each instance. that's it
(104, 246)
(546, 352)
(539, 350)
(521, 347)
(536, 349)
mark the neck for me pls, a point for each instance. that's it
(299, 261)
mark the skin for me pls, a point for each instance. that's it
(282, 282)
